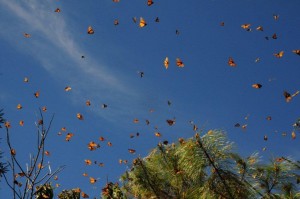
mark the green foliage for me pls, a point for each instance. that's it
(112, 191)
(207, 167)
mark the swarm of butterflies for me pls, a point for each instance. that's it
(94, 145)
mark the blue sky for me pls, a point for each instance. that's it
(207, 90)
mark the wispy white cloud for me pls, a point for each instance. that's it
(59, 52)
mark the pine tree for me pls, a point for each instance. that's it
(207, 167)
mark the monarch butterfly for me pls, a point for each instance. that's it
(68, 88)
(142, 22)
(171, 122)
(135, 120)
(287, 96)
(279, 55)
(246, 26)
(109, 143)
(257, 60)
(79, 116)
(36, 94)
(231, 62)
(116, 22)
(274, 36)
(165, 142)
(177, 32)
(293, 135)
(21, 123)
(57, 10)
(179, 63)
(257, 86)
(150, 2)
(7, 124)
(47, 153)
(296, 52)
(69, 136)
(84, 195)
(64, 129)
(26, 35)
(166, 62)
(275, 16)
(92, 146)
(88, 162)
(157, 19)
(157, 134)
(88, 102)
(260, 28)
(26, 79)
(181, 140)
(92, 180)
(265, 138)
(269, 118)
(131, 150)
(222, 23)
(44, 108)
(90, 30)
(116, 1)
(85, 174)
(104, 106)
(101, 138)
(19, 106)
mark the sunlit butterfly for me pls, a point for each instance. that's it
(231, 62)
(142, 22)
(26, 35)
(84, 195)
(149, 2)
(131, 150)
(269, 118)
(274, 36)
(69, 136)
(90, 30)
(68, 88)
(296, 52)
(36, 94)
(260, 28)
(19, 106)
(279, 55)
(293, 135)
(166, 62)
(79, 116)
(275, 16)
(116, 22)
(88, 162)
(26, 79)
(265, 138)
(92, 180)
(257, 86)
(157, 134)
(222, 23)
(44, 108)
(88, 102)
(57, 10)
(179, 63)
(246, 26)
(21, 123)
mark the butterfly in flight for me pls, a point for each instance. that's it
(231, 62)
(279, 55)
(90, 30)
(142, 22)
(57, 10)
(257, 86)
(166, 62)
(150, 2)
(179, 63)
